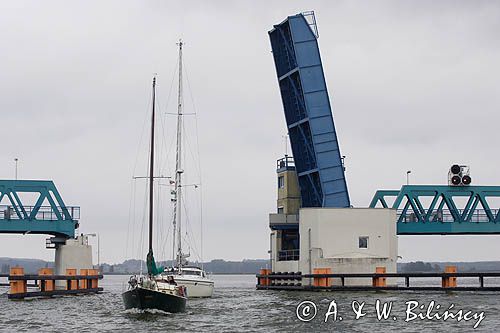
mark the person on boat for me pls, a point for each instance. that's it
(170, 280)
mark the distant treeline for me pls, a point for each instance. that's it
(247, 266)
(29, 265)
(132, 266)
(418, 266)
(217, 266)
(476, 266)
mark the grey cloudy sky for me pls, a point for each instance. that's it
(414, 86)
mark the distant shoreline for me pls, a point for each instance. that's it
(126, 274)
(244, 267)
(129, 266)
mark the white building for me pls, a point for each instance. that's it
(346, 240)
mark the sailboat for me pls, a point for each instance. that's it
(153, 291)
(194, 279)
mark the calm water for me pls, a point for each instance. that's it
(238, 307)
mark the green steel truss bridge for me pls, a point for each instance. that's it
(436, 209)
(46, 214)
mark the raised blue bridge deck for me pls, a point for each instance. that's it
(48, 214)
(308, 112)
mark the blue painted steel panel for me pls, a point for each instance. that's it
(442, 215)
(61, 228)
(308, 114)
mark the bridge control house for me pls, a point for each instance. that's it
(343, 240)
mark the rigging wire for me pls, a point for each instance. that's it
(189, 237)
(163, 163)
(143, 224)
(170, 148)
(167, 146)
(199, 162)
(144, 214)
(131, 203)
(131, 225)
(159, 145)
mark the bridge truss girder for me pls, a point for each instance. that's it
(54, 218)
(442, 214)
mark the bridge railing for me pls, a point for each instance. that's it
(285, 162)
(445, 215)
(45, 213)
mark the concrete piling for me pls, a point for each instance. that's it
(449, 281)
(379, 281)
(46, 285)
(17, 286)
(322, 281)
(71, 284)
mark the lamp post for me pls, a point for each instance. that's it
(98, 250)
(408, 177)
(15, 160)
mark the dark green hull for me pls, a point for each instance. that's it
(141, 298)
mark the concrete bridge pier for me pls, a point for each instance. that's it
(73, 253)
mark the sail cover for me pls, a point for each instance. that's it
(150, 262)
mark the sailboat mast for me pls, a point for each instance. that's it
(151, 169)
(178, 163)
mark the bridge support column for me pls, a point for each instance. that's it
(75, 254)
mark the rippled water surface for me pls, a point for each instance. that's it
(238, 307)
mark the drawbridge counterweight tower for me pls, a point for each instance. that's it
(308, 112)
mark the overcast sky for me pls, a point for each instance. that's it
(414, 86)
